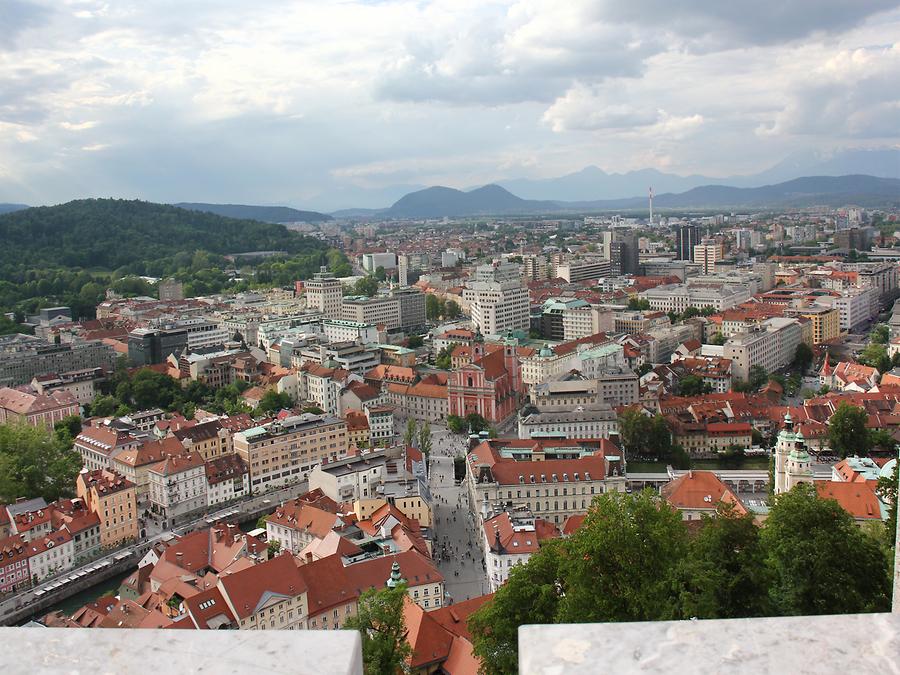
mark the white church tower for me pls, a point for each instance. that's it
(792, 462)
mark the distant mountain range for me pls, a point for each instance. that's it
(439, 202)
(9, 208)
(265, 214)
(592, 183)
(436, 202)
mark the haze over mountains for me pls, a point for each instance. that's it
(437, 202)
(592, 183)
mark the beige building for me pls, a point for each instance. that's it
(379, 310)
(210, 439)
(826, 322)
(551, 479)
(285, 451)
(324, 292)
(134, 463)
(114, 500)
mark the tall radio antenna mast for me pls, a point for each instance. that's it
(651, 206)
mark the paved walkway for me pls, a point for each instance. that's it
(456, 548)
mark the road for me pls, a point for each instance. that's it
(456, 547)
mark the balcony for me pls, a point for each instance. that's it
(849, 643)
(56, 650)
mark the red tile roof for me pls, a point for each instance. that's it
(247, 588)
(700, 490)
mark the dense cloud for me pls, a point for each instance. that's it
(322, 104)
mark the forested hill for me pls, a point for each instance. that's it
(113, 233)
(266, 214)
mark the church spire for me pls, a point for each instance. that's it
(395, 579)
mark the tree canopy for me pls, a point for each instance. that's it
(820, 561)
(847, 433)
(71, 253)
(379, 620)
(634, 560)
(36, 463)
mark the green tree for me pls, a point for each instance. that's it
(456, 424)
(379, 619)
(618, 564)
(104, 406)
(34, 463)
(476, 423)
(803, 357)
(847, 433)
(644, 436)
(875, 355)
(424, 439)
(717, 339)
(820, 561)
(758, 377)
(273, 401)
(68, 428)
(451, 309)
(638, 303)
(880, 334)
(432, 307)
(414, 341)
(380, 274)
(887, 490)
(723, 575)
(150, 389)
(368, 286)
(273, 547)
(531, 595)
(692, 385)
(443, 359)
(690, 313)
(410, 434)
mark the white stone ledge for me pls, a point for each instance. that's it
(97, 651)
(851, 643)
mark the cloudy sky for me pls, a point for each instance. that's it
(305, 103)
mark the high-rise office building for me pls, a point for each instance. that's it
(623, 253)
(687, 237)
(323, 292)
(498, 299)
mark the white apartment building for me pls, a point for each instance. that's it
(50, 555)
(324, 292)
(202, 333)
(678, 297)
(581, 269)
(351, 478)
(580, 322)
(856, 306)
(597, 420)
(178, 485)
(771, 345)
(596, 361)
(227, 479)
(506, 543)
(339, 330)
(381, 309)
(498, 299)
